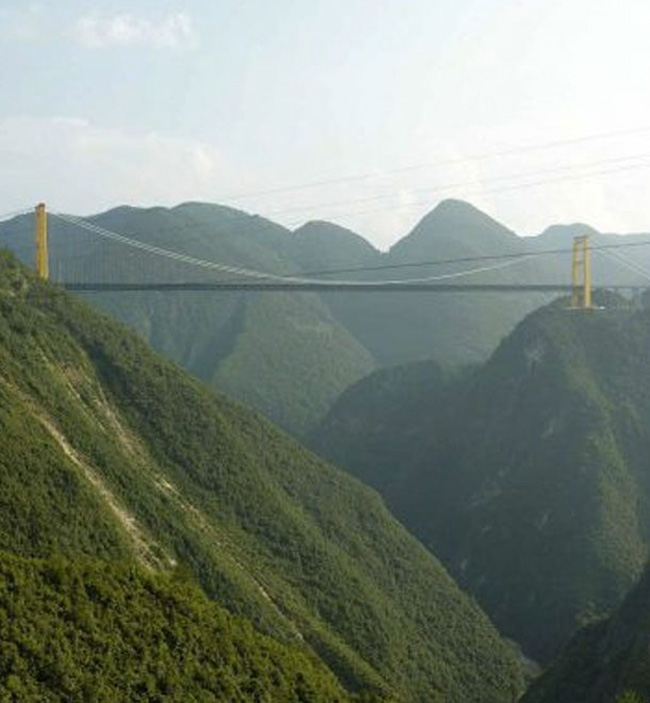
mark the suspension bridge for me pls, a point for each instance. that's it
(127, 276)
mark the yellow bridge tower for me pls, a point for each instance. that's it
(581, 274)
(41, 259)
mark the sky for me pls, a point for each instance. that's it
(363, 112)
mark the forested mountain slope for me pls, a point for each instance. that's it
(607, 661)
(110, 451)
(94, 631)
(527, 476)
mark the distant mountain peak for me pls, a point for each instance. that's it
(456, 205)
(461, 210)
(457, 227)
(197, 205)
(319, 226)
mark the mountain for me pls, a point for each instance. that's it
(454, 328)
(527, 475)
(289, 355)
(607, 661)
(455, 228)
(381, 427)
(109, 451)
(325, 246)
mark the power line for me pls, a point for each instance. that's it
(442, 162)
(502, 189)
(464, 184)
(459, 184)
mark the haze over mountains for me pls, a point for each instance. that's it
(291, 355)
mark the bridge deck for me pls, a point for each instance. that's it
(338, 287)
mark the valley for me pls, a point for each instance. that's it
(519, 464)
(526, 475)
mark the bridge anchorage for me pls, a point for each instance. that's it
(580, 289)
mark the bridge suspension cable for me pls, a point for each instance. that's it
(14, 213)
(303, 275)
(468, 259)
(253, 279)
(268, 276)
(626, 263)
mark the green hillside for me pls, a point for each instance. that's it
(382, 427)
(607, 661)
(527, 476)
(321, 246)
(88, 631)
(108, 450)
(289, 347)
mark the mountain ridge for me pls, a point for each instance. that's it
(454, 222)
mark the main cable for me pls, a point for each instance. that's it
(625, 263)
(15, 213)
(304, 277)
(261, 275)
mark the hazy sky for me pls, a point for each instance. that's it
(158, 102)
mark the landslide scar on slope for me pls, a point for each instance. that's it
(146, 549)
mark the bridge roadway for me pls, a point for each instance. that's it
(402, 287)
